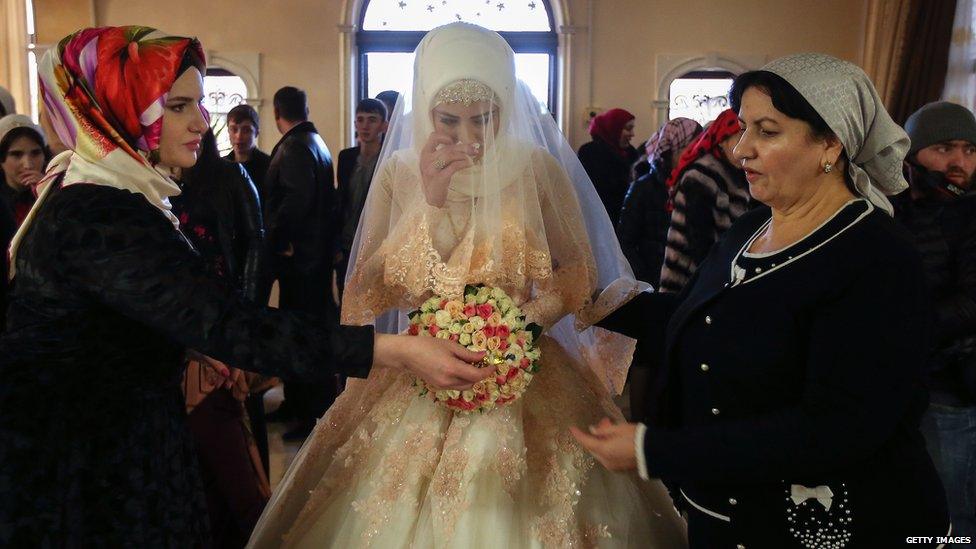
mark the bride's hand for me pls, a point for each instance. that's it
(439, 362)
(440, 159)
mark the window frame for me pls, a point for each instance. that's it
(373, 41)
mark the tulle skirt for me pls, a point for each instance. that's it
(386, 468)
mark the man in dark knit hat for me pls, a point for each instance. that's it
(939, 209)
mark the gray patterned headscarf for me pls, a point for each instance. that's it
(846, 99)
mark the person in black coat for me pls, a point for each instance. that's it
(644, 217)
(301, 214)
(354, 174)
(789, 374)
(243, 127)
(608, 158)
(107, 298)
(219, 213)
(939, 210)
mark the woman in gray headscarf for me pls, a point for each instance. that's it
(790, 380)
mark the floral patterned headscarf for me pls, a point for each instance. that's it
(104, 90)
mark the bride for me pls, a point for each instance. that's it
(476, 185)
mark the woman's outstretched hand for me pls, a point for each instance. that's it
(611, 444)
(439, 362)
(440, 159)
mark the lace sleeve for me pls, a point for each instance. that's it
(573, 279)
(394, 254)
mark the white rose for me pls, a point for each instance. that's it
(465, 339)
(455, 328)
(477, 322)
(443, 319)
(516, 351)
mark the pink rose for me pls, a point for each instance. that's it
(413, 330)
(455, 337)
(433, 329)
(470, 311)
(485, 310)
(489, 331)
(502, 331)
(525, 363)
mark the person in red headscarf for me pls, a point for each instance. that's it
(708, 192)
(608, 157)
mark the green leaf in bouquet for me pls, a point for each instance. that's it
(471, 289)
(413, 315)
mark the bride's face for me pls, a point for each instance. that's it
(467, 124)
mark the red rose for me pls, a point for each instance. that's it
(500, 379)
(413, 330)
(525, 363)
(470, 311)
(489, 331)
(462, 404)
(503, 332)
(503, 345)
(512, 373)
(433, 329)
(485, 310)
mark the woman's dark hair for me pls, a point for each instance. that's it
(191, 58)
(206, 170)
(788, 101)
(784, 96)
(23, 131)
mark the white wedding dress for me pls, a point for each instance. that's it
(386, 468)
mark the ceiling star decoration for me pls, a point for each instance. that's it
(501, 6)
(402, 4)
(532, 5)
(458, 16)
(430, 8)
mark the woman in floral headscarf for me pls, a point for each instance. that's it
(608, 158)
(107, 297)
(708, 193)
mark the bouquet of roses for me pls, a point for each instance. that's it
(485, 319)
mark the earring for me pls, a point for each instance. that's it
(828, 167)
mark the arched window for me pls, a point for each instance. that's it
(700, 95)
(222, 91)
(391, 29)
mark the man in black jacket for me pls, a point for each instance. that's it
(355, 171)
(940, 211)
(301, 213)
(243, 128)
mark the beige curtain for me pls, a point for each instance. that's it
(13, 52)
(884, 44)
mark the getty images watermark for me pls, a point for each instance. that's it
(938, 539)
